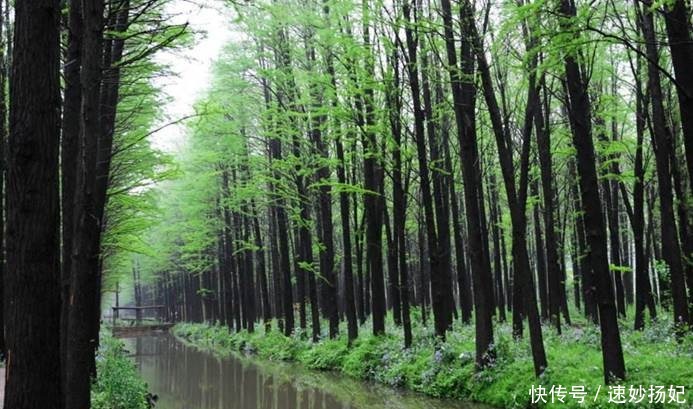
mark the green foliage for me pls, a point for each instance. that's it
(325, 355)
(447, 370)
(117, 384)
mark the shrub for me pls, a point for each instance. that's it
(117, 384)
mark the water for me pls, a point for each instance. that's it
(186, 378)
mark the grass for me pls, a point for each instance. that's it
(117, 384)
(446, 370)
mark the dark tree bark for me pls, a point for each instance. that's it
(643, 290)
(685, 228)
(611, 195)
(495, 233)
(326, 231)
(32, 281)
(352, 325)
(84, 282)
(399, 199)
(437, 132)
(360, 282)
(541, 260)
(463, 98)
(516, 197)
(284, 255)
(276, 269)
(661, 141)
(586, 272)
(249, 276)
(463, 283)
(373, 201)
(261, 269)
(438, 283)
(72, 98)
(678, 26)
(580, 117)
(350, 305)
(575, 264)
(552, 260)
(233, 303)
(424, 267)
(3, 189)
(113, 52)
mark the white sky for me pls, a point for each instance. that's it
(191, 66)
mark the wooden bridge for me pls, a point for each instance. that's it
(132, 327)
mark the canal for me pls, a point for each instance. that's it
(184, 377)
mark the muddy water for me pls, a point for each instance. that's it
(186, 378)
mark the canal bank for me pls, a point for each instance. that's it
(186, 377)
(448, 370)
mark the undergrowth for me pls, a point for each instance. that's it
(447, 369)
(117, 384)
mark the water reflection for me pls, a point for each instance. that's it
(186, 378)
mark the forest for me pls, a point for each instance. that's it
(463, 198)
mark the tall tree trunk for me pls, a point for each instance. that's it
(552, 260)
(110, 96)
(516, 198)
(32, 281)
(350, 305)
(463, 98)
(662, 144)
(261, 269)
(586, 271)
(72, 99)
(326, 231)
(540, 246)
(84, 283)
(580, 117)
(249, 276)
(463, 283)
(399, 198)
(677, 17)
(284, 257)
(373, 201)
(438, 300)
(495, 232)
(643, 290)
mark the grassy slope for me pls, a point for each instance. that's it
(652, 358)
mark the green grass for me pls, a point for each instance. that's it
(653, 357)
(117, 384)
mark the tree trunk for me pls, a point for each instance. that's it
(72, 99)
(261, 269)
(84, 283)
(661, 141)
(350, 305)
(643, 290)
(678, 25)
(463, 98)
(32, 281)
(552, 260)
(580, 120)
(373, 201)
(516, 199)
(544, 293)
(495, 233)
(438, 300)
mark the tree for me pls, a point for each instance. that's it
(32, 281)
(580, 122)
(463, 97)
